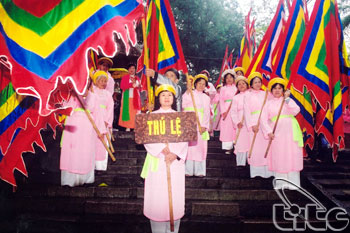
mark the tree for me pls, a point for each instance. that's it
(205, 28)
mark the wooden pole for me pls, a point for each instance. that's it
(170, 195)
(111, 133)
(95, 128)
(110, 142)
(146, 61)
(274, 127)
(254, 137)
(195, 108)
(228, 110)
(239, 131)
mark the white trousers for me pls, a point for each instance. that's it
(164, 227)
(241, 158)
(197, 168)
(227, 145)
(262, 171)
(292, 177)
(74, 179)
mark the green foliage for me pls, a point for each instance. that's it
(205, 28)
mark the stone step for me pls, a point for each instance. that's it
(191, 182)
(211, 162)
(80, 206)
(141, 154)
(215, 209)
(211, 172)
(224, 195)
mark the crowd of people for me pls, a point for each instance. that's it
(238, 109)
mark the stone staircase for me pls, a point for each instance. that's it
(226, 200)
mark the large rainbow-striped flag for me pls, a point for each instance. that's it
(163, 41)
(289, 43)
(319, 65)
(44, 46)
(264, 57)
(45, 41)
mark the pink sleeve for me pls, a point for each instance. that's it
(206, 113)
(291, 107)
(110, 110)
(155, 149)
(222, 101)
(180, 149)
(247, 113)
(264, 121)
(216, 99)
(234, 112)
(186, 100)
(125, 84)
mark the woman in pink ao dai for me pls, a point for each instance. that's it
(197, 150)
(285, 156)
(237, 115)
(227, 92)
(253, 104)
(156, 201)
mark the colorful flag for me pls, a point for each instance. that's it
(290, 40)
(43, 47)
(223, 65)
(247, 44)
(163, 41)
(264, 57)
(319, 67)
(46, 42)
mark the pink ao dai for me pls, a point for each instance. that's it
(78, 138)
(253, 103)
(103, 119)
(156, 201)
(284, 155)
(197, 150)
(227, 131)
(237, 113)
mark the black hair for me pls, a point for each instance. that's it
(174, 71)
(130, 65)
(251, 81)
(199, 79)
(157, 102)
(275, 85)
(224, 81)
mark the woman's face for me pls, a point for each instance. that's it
(242, 86)
(229, 79)
(132, 70)
(101, 82)
(103, 66)
(166, 99)
(277, 91)
(200, 85)
(239, 73)
(256, 85)
(172, 76)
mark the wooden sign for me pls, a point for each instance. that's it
(165, 127)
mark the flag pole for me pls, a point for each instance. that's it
(254, 137)
(194, 106)
(239, 131)
(146, 61)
